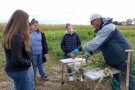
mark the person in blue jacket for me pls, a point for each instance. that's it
(39, 49)
(111, 42)
(69, 42)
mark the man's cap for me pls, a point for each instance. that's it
(95, 16)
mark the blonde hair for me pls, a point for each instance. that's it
(18, 23)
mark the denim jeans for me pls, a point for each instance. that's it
(69, 71)
(22, 80)
(38, 63)
(123, 68)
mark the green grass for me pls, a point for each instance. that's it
(2, 62)
(2, 25)
(86, 34)
(54, 34)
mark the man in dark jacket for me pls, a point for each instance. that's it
(111, 42)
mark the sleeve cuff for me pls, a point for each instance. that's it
(91, 53)
(80, 48)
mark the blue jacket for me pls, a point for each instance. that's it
(39, 43)
(35, 38)
(110, 41)
(70, 42)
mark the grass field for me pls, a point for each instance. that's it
(54, 34)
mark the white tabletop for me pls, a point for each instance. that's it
(70, 60)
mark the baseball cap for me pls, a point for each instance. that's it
(95, 16)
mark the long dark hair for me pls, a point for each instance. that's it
(18, 23)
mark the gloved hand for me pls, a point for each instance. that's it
(75, 51)
(87, 54)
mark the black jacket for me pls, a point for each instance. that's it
(17, 58)
(70, 42)
(44, 46)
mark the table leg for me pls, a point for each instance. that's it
(62, 81)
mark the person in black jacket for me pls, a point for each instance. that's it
(39, 49)
(16, 43)
(69, 42)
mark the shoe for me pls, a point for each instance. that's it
(45, 78)
(71, 78)
(80, 78)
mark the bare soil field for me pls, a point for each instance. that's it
(54, 71)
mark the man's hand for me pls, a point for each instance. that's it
(87, 54)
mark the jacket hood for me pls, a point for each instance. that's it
(66, 32)
(107, 21)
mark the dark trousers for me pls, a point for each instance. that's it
(69, 69)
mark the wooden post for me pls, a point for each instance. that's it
(128, 68)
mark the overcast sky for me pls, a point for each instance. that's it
(63, 11)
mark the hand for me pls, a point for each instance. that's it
(87, 54)
(75, 51)
(46, 57)
(72, 55)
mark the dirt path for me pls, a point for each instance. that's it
(53, 69)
